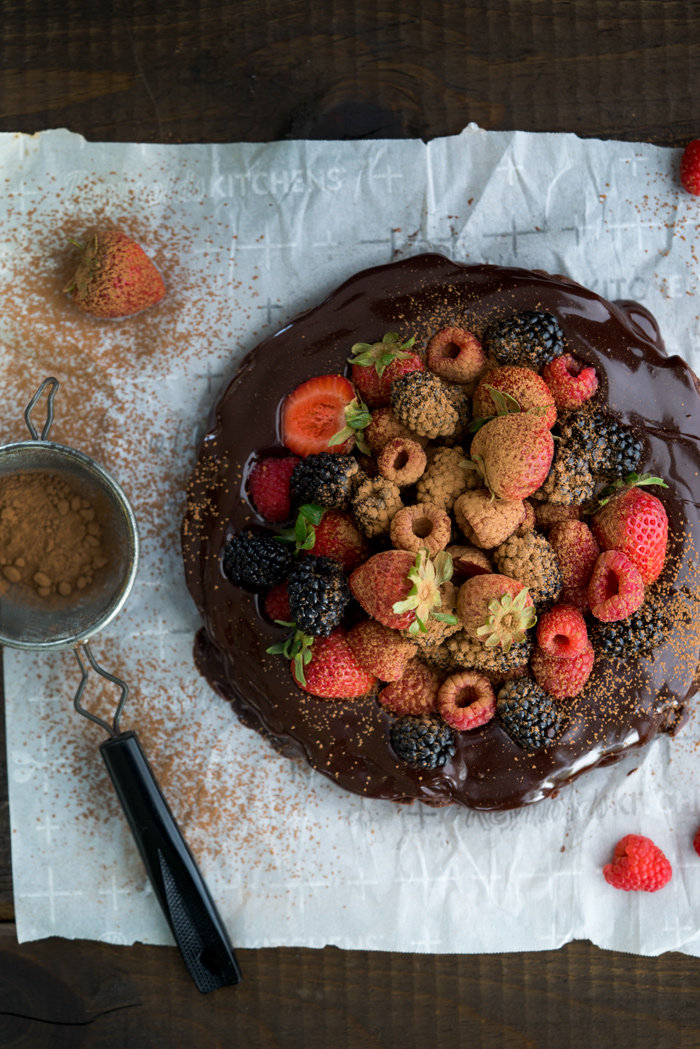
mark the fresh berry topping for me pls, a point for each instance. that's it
(511, 390)
(562, 678)
(569, 481)
(531, 339)
(466, 701)
(696, 841)
(384, 652)
(268, 485)
(608, 447)
(318, 593)
(414, 693)
(486, 521)
(616, 589)
(528, 714)
(333, 672)
(570, 381)
(401, 589)
(421, 402)
(402, 461)
(690, 168)
(496, 610)
(513, 454)
(426, 578)
(634, 522)
(444, 479)
(638, 635)
(337, 536)
(637, 865)
(325, 478)
(468, 561)
(425, 742)
(115, 277)
(576, 550)
(469, 652)
(256, 560)
(374, 504)
(276, 604)
(531, 561)
(421, 525)
(456, 355)
(375, 366)
(549, 514)
(562, 632)
(383, 427)
(316, 415)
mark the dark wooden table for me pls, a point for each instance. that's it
(179, 71)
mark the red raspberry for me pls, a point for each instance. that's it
(415, 692)
(338, 536)
(562, 678)
(637, 865)
(576, 550)
(382, 651)
(276, 604)
(616, 589)
(690, 168)
(333, 672)
(456, 355)
(576, 596)
(466, 700)
(570, 381)
(696, 841)
(635, 523)
(268, 485)
(561, 632)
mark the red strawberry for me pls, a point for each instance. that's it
(520, 390)
(495, 609)
(513, 453)
(333, 672)
(690, 168)
(376, 365)
(268, 485)
(115, 277)
(637, 864)
(402, 589)
(338, 536)
(570, 381)
(320, 411)
(382, 651)
(636, 524)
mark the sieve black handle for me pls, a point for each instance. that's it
(175, 876)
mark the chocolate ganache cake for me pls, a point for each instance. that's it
(588, 643)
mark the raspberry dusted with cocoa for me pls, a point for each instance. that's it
(384, 652)
(268, 486)
(419, 526)
(532, 339)
(635, 522)
(549, 514)
(570, 381)
(513, 454)
(462, 403)
(576, 550)
(496, 610)
(374, 503)
(562, 632)
(402, 461)
(528, 714)
(445, 478)
(376, 365)
(456, 355)
(531, 560)
(325, 478)
(415, 692)
(562, 678)
(466, 701)
(511, 390)
(421, 402)
(638, 865)
(616, 588)
(384, 427)
(486, 521)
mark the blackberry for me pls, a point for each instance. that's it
(468, 652)
(318, 593)
(643, 631)
(530, 339)
(528, 714)
(570, 481)
(326, 479)
(256, 560)
(421, 402)
(532, 561)
(425, 742)
(608, 446)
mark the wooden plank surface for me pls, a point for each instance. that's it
(181, 71)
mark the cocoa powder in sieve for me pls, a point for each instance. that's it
(50, 535)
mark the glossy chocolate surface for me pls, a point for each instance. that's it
(621, 707)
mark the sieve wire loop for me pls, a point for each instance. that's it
(113, 729)
(54, 384)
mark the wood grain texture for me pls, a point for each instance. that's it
(71, 994)
(175, 70)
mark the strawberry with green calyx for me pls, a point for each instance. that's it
(509, 390)
(496, 610)
(303, 534)
(634, 523)
(394, 578)
(427, 577)
(632, 480)
(333, 672)
(376, 365)
(297, 648)
(513, 454)
(327, 533)
(323, 414)
(357, 417)
(115, 277)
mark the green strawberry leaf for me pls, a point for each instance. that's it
(357, 417)
(296, 647)
(380, 354)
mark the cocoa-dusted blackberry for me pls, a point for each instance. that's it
(530, 339)
(326, 479)
(256, 560)
(609, 447)
(318, 593)
(531, 560)
(468, 652)
(570, 481)
(425, 742)
(421, 402)
(528, 714)
(638, 635)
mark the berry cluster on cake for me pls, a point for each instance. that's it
(441, 534)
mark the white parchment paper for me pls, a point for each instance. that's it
(246, 236)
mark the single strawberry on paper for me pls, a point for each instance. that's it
(115, 277)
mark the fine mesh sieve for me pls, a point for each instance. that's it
(28, 621)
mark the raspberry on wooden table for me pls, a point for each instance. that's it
(638, 865)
